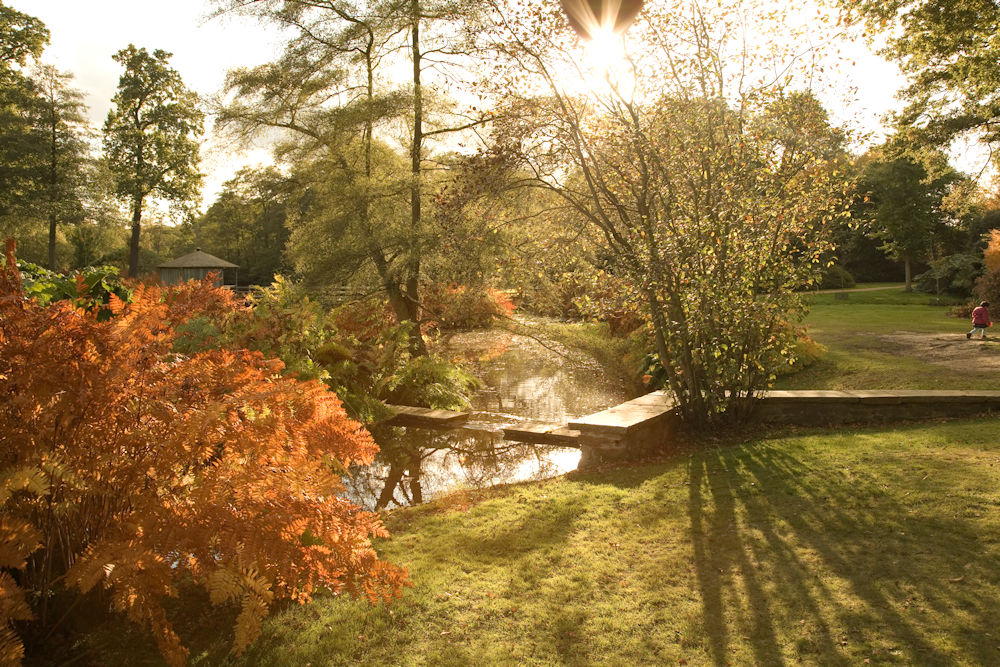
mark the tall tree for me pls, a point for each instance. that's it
(22, 40)
(950, 51)
(246, 224)
(22, 37)
(709, 186)
(151, 136)
(902, 202)
(331, 92)
(62, 117)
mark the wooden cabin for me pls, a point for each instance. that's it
(198, 265)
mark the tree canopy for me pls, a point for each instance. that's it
(22, 39)
(950, 51)
(151, 136)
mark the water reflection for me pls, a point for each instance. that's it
(526, 378)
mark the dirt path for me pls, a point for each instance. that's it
(952, 351)
(857, 289)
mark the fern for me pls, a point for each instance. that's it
(146, 467)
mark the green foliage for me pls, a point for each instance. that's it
(949, 50)
(62, 119)
(247, 224)
(800, 352)
(955, 274)
(90, 288)
(22, 37)
(22, 40)
(432, 382)
(902, 203)
(151, 136)
(365, 367)
(836, 277)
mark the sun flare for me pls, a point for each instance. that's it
(605, 48)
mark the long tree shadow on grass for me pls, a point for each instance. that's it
(836, 561)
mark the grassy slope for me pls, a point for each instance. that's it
(857, 358)
(823, 548)
(819, 548)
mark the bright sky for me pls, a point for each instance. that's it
(84, 35)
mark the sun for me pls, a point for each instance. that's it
(604, 55)
(605, 46)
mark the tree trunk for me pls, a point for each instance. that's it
(52, 240)
(53, 182)
(909, 274)
(412, 285)
(416, 491)
(133, 247)
(391, 482)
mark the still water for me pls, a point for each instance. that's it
(526, 377)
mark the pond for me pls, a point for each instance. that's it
(526, 376)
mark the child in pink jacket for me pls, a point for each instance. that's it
(980, 320)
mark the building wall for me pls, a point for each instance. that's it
(170, 276)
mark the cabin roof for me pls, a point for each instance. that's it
(198, 260)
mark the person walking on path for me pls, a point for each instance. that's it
(980, 320)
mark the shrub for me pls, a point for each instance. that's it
(954, 274)
(461, 307)
(803, 352)
(988, 287)
(90, 288)
(136, 468)
(962, 311)
(356, 349)
(836, 277)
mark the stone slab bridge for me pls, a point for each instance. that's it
(646, 423)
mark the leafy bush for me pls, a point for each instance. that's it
(803, 352)
(431, 382)
(836, 277)
(128, 465)
(988, 287)
(356, 349)
(954, 274)
(90, 288)
(962, 311)
(799, 351)
(460, 307)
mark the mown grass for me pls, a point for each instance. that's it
(861, 335)
(874, 546)
(857, 333)
(890, 296)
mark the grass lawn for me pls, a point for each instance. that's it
(893, 340)
(878, 545)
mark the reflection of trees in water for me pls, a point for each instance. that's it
(524, 379)
(417, 462)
